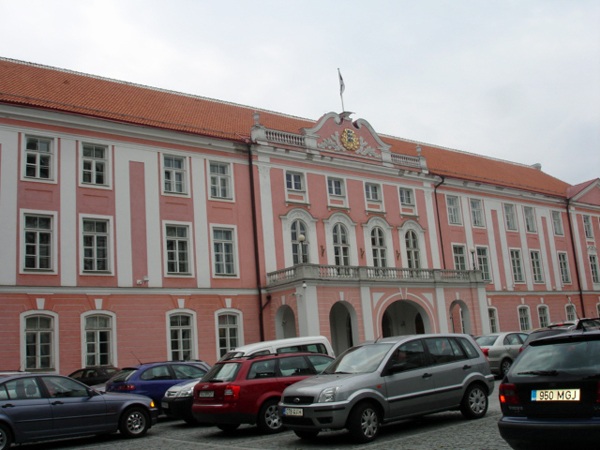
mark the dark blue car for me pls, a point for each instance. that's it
(153, 379)
(42, 407)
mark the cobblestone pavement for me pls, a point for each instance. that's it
(443, 431)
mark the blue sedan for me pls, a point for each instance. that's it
(37, 407)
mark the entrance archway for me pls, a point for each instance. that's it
(343, 326)
(460, 319)
(405, 317)
(285, 322)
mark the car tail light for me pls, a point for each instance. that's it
(508, 394)
(126, 387)
(231, 392)
(485, 351)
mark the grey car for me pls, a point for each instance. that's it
(388, 380)
(501, 349)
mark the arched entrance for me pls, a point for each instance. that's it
(343, 326)
(285, 322)
(460, 319)
(404, 317)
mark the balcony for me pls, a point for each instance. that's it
(372, 275)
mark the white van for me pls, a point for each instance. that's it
(311, 344)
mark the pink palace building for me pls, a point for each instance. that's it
(144, 224)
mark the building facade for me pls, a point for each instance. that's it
(141, 225)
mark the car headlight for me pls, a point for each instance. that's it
(328, 394)
(186, 392)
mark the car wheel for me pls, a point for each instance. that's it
(135, 422)
(504, 366)
(307, 435)
(474, 404)
(228, 427)
(5, 437)
(269, 420)
(363, 422)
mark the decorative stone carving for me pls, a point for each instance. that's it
(348, 141)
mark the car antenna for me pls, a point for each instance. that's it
(136, 358)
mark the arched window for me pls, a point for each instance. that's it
(341, 248)
(181, 334)
(571, 313)
(524, 320)
(378, 247)
(39, 343)
(229, 332)
(543, 316)
(98, 330)
(299, 242)
(493, 316)
(412, 250)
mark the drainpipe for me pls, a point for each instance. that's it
(437, 208)
(576, 259)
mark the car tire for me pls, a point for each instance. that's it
(228, 427)
(307, 435)
(269, 420)
(5, 437)
(474, 404)
(364, 422)
(134, 423)
(504, 366)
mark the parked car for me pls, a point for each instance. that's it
(388, 380)
(550, 330)
(310, 344)
(94, 375)
(247, 389)
(501, 349)
(177, 402)
(550, 396)
(153, 379)
(43, 407)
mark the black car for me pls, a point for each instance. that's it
(550, 397)
(94, 375)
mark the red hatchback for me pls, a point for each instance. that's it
(247, 390)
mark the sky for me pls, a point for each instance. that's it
(517, 80)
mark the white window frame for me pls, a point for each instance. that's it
(240, 329)
(190, 249)
(53, 155)
(510, 217)
(193, 327)
(109, 245)
(413, 253)
(107, 161)
(536, 266)
(565, 271)
(460, 259)
(407, 196)
(296, 181)
(516, 264)
(332, 188)
(557, 224)
(570, 312)
(543, 318)
(219, 177)
(524, 317)
(587, 227)
(343, 247)
(300, 247)
(477, 214)
(454, 212)
(493, 319)
(113, 335)
(379, 251)
(54, 346)
(234, 242)
(594, 269)
(185, 171)
(483, 262)
(373, 192)
(53, 243)
(529, 215)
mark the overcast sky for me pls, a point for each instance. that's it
(516, 80)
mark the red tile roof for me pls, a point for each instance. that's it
(65, 91)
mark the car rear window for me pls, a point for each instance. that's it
(123, 375)
(226, 371)
(581, 357)
(486, 341)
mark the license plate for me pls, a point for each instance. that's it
(555, 395)
(293, 412)
(164, 405)
(206, 394)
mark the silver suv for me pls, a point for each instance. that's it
(388, 380)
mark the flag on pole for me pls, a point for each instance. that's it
(342, 85)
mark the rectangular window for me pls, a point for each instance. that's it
(175, 174)
(372, 192)
(493, 320)
(529, 219)
(536, 266)
(335, 187)
(543, 316)
(571, 313)
(517, 267)
(294, 181)
(510, 217)
(407, 197)
(180, 329)
(587, 227)
(460, 257)
(483, 263)
(524, 321)
(563, 262)
(594, 269)
(94, 164)
(223, 251)
(453, 210)
(477, 212)
(220, 180)
(39, 350)
(38, 242)
(557, 223)
(38, 158)
(95, 245)
(229, 333)
(177, 241)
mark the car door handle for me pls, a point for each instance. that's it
(8, 405)
(58, 402)
(427, 375)
(466, 367)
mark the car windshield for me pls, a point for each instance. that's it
(123, 375)
(222, 372)
(581, 357)
(486, 341)
(362, 359)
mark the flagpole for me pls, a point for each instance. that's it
(342, 88)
